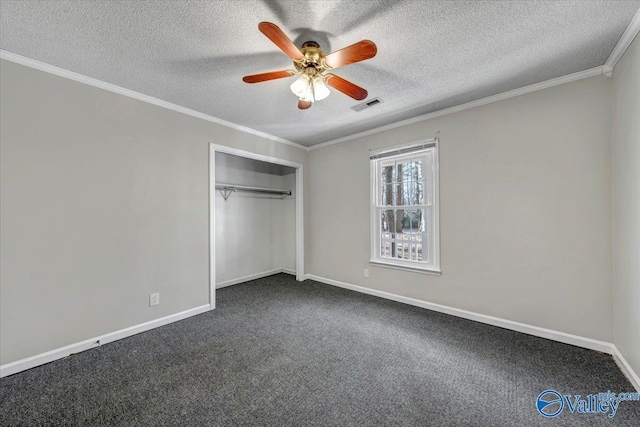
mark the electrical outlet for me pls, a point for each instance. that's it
(154, 299)
(366, 272)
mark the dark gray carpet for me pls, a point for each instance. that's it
(277, 352)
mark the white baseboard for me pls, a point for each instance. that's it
(289, 271)
(254, 277)
(626, 368)
(50, 356)
(563, 337)
(59, 353)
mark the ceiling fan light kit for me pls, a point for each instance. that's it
(311, 63)
(310, 89)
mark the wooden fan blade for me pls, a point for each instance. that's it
(257, 78)
(357, 52)
(303, 105)
(346, 87)
(280, 39)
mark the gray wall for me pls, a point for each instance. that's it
(525, 192)
(104, 199)
(255, 233)
(626, 205)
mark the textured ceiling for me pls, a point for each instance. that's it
(431, 55)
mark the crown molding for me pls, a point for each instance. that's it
(51, 69)
(627, 38)
(484, 101)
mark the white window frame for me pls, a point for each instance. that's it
(383, 156)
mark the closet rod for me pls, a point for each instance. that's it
(227, 189)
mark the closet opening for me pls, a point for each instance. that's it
(255, 217)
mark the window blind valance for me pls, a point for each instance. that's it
(403, 149)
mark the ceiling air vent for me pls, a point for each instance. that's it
(370, 103)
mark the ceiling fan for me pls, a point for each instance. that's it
(311, 63)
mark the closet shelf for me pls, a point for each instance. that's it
(227, 189)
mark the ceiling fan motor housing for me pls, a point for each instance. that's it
(312, 62)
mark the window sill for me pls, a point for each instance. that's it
(394, 266)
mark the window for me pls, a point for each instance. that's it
(404, 208)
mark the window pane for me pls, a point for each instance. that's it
(415, 196)
(385, 198)
(414, 247)
(403, 171)
(402, 221)
(391, 195)
(404, 197)
(420, 192)
(397, 224)
(394, 194)
(418, 170)
(405, 253)
(398, 194)
(390, 216)
(402, 194)
(388, 233)
(385, 249)
(385, 230)
(424, 233)
(402, 234)
(387, 174)
(415, 220)
(428, 182)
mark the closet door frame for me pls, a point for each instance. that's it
(213, 149)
